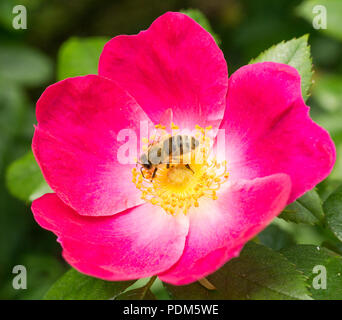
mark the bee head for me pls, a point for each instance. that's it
(145, 162)
(148, 165)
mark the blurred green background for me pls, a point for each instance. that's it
(32, 59)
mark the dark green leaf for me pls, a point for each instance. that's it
(295, 53)
(275, 238)
(42, 271)
(6, 7)
(15, 219)
(25, 180)
(334, 15)
(78, 57)
(137, 294)
(7, 15)
(13, 120)
(327, 187)
(333, 212)
(307, 209)
(201, 19)
(77, 286)
(306, 257)
(259, 273)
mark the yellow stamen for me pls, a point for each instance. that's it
(175, 187)
(174, 127)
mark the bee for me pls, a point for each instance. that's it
(167, 151)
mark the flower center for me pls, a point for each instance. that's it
(182, 174)
(179, 175)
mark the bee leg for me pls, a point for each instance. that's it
(154, 173)
(142, 172)
(188, 167)
(167, 166)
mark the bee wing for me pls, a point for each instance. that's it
(159, 133)
(156, 136)
(166, 119)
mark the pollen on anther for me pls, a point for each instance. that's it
(174, 127)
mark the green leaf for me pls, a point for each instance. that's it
(275, 238)
(201, 19)
(79, 56)
(334, 15)
(333, 212)
(307, 209)
(159, 291)
(77, 286)
(327, 187)
(295, 53)
(306, 257)
(258, 273)
(137, 294)
(25, 180)
(24, 65)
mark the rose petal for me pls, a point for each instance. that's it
(173, 64)
(268, 128)
(139, 242)
(76, 143)
(219, 229)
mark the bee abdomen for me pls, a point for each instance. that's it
(179, 145)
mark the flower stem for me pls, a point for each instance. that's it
(148, 285)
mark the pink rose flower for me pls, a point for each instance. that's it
(112, 222)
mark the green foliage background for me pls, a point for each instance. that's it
(64, 38)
